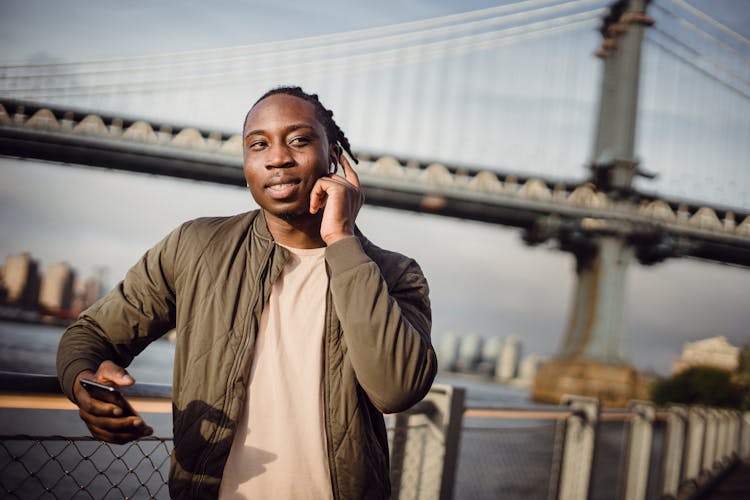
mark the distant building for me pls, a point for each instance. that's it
(714, 351)
(447, 352)
(56, 292)
(507, 363)
(469, 353)
(528, 367)
(85, 293)
(21, 280)
(489, 355)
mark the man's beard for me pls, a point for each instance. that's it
(291, 216)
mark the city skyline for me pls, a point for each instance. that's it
(57, 288)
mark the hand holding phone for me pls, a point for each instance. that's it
(104, 409)
(109, 394)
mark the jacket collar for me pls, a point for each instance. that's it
(260, 229)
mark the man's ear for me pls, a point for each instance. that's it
(334, 153)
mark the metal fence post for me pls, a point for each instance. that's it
(454, 409)
(639, 449)
(744, 448)
(722, 429)
(709, 447)
(722, 446)
(424, 450)
(674, 450)
(578, 450)
(735, 438)
(696, 430)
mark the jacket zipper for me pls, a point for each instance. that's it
(233, 372)
(327, 391)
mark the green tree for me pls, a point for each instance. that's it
(704, 385)
(742, 376)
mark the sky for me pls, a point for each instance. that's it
(483, 279)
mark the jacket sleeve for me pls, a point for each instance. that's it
(387, 332)
(137, 311)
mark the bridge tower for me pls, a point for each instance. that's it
(592, 359)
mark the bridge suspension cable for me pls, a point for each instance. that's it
(291, 48)
(378, 35)
(677, 48)
(377, 58)
(682, 21)
(725, 64)
(695, 104)
(724, 28)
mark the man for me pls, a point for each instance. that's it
(294, 332)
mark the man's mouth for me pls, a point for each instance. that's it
(281, 190)
(281, 187)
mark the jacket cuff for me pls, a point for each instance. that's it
(346, 254)
(68, 377)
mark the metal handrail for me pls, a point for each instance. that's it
(35, 383)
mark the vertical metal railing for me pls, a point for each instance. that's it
(674, 453)
(700, 446)
(639, 449)
(578, 450)
(425, 444)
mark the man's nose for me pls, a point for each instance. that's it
(279, 156)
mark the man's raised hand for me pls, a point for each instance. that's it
(340, 198)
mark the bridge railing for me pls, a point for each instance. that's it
(439, 449)
(423, 444)
(671, 452)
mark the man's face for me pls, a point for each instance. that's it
(285, 152)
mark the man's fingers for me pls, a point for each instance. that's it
(111, 373)
(104, 419)
(318, 196)
(113, 424)
(101, 408)
(349, 172)
(119, 436)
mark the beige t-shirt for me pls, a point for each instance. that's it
(279, 450)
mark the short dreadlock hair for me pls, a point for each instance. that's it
(334, 134)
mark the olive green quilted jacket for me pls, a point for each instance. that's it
(210, 278)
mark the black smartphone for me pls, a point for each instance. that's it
(108, 393)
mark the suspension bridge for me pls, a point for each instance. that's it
(485, 115)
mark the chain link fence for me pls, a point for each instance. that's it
(36, 467)
(609, 460)
(422, 442)
(416, 461)
(512, 460)
(499, 462)
(69, 467)
(657, 461)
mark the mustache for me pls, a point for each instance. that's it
(280, 178)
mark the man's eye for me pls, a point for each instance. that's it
(300, 141)
(257, 145)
